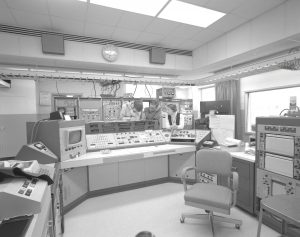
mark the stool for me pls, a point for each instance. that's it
(286, 207)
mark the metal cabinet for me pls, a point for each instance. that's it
(179, 161)
(131, 171)
(245, 194)
(75, 184)
(103, 176)
(156, 167)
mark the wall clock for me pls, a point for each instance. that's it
(110, 52)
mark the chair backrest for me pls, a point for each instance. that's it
(214, 161)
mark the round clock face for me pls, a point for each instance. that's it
(110, 52)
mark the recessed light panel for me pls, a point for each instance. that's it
(190, 14)
(146, 7)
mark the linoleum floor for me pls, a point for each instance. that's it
(155, 208)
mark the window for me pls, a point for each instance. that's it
(141, 90)
(269, 103)
(208, 94)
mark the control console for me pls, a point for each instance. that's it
(111, 109)
(269, 184)
(183, 136)
(125, 139)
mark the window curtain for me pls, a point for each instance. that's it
(230, 90)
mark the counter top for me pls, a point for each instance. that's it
(243, 156)
(99, 157)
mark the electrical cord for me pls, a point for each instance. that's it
(57, 88)
(94, 87)
(118, 86)
(288, 110)
(135, 89)
(148, 91)
(35, 129)
(283, 111)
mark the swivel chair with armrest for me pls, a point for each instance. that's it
(208, 196)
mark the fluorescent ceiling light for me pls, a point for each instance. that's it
(41, 70)
(17, 69)
(145, 7)
(152, 77)
(133, 75)
(92, 73)
(82, 0)
(167, 78)
(190, 14)
(113, 74)
(71, 72)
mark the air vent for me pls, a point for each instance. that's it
(85, 39)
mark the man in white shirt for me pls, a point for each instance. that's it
(131, 110)
(175, 120)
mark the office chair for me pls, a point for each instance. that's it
(208, 196)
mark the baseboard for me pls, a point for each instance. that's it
(178, 180)
(122, 188)
(75, 203)
(126, 187)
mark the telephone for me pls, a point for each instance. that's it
(28, 169)
(209, 143)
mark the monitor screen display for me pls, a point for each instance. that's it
(74, 137)
(278, 188)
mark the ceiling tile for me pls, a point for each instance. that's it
(161, 26)
(134, 21)
(149, 38)
(254, 8)
(67, 26)
(6, 17)
(68, 9)
(103, 15)
(185, 31)
(228, 23)
(200, 3)
(206, 35)
(125, 35)
(189, 45)
(39, 6)
(98, 30)
(27, 19)
(224, 6)
(3, 4)
(172, 42)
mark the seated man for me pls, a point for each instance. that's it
(131, 110)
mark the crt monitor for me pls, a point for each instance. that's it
(220, 106)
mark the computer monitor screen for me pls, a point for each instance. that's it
(220, 107)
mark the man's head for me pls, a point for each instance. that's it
(171, 109)
(153, 105)
(137, 106)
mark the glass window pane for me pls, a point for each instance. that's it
(208, 94)
(269, 103)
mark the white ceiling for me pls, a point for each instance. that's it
(75, 17)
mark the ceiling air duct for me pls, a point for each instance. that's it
(292, 65)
